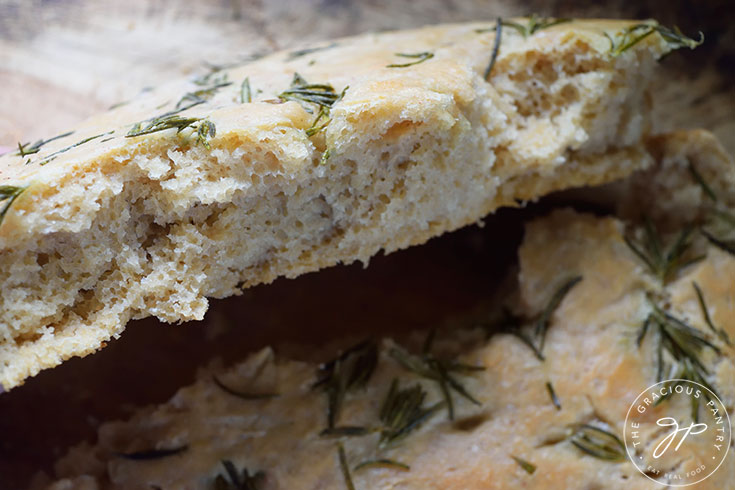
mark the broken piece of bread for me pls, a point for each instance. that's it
(299, 161)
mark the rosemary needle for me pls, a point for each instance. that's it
(320, 94)
(599, 443)
(402, 412)
(419, 57)
(350, 370)
(234, 480)
(663, 262)
(715, 216)
(532, 331)
(684, 344)
(705, 312)
(552, 395)
(303, 52)
(702, 183)
(439, 371)
(628, 37)
(496, 47)
(204, 129)
(542, 325)
(724, 245)
(527, 467)
(8, 195)
(190, 99)
(242, 394)
(53, 155)
(325, 156)
(535, 24)
(345, 467)
(30, 149)
(382, 463)
(153, 453)
(245, 92)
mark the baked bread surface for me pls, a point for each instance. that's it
(592, 358)
(108, 227)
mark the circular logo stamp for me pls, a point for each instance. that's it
(677, 432)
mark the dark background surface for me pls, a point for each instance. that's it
(63, 60)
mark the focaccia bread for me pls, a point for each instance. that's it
(302, 160)
(693, 176)
(518, 402)
(591, 360)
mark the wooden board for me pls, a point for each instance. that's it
(64, 60)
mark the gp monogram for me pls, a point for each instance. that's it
(677, 432)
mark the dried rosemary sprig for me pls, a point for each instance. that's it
(402, 412)
(238, 480)
(419, 57)
(687, 370)
(535, 24)
(8, 195)
(683, 343)
(518, 327)
(628, 37)
(350, 370)
(441, 371)
(719, 225)
(191, 99)
(161, 124)
(215, 76)
(153, 453)
(204, 129)
(678, 338)
(320, 94)
(599, 443)
(53, 155)
(527, 467)
(663, 262)
(29, 149)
